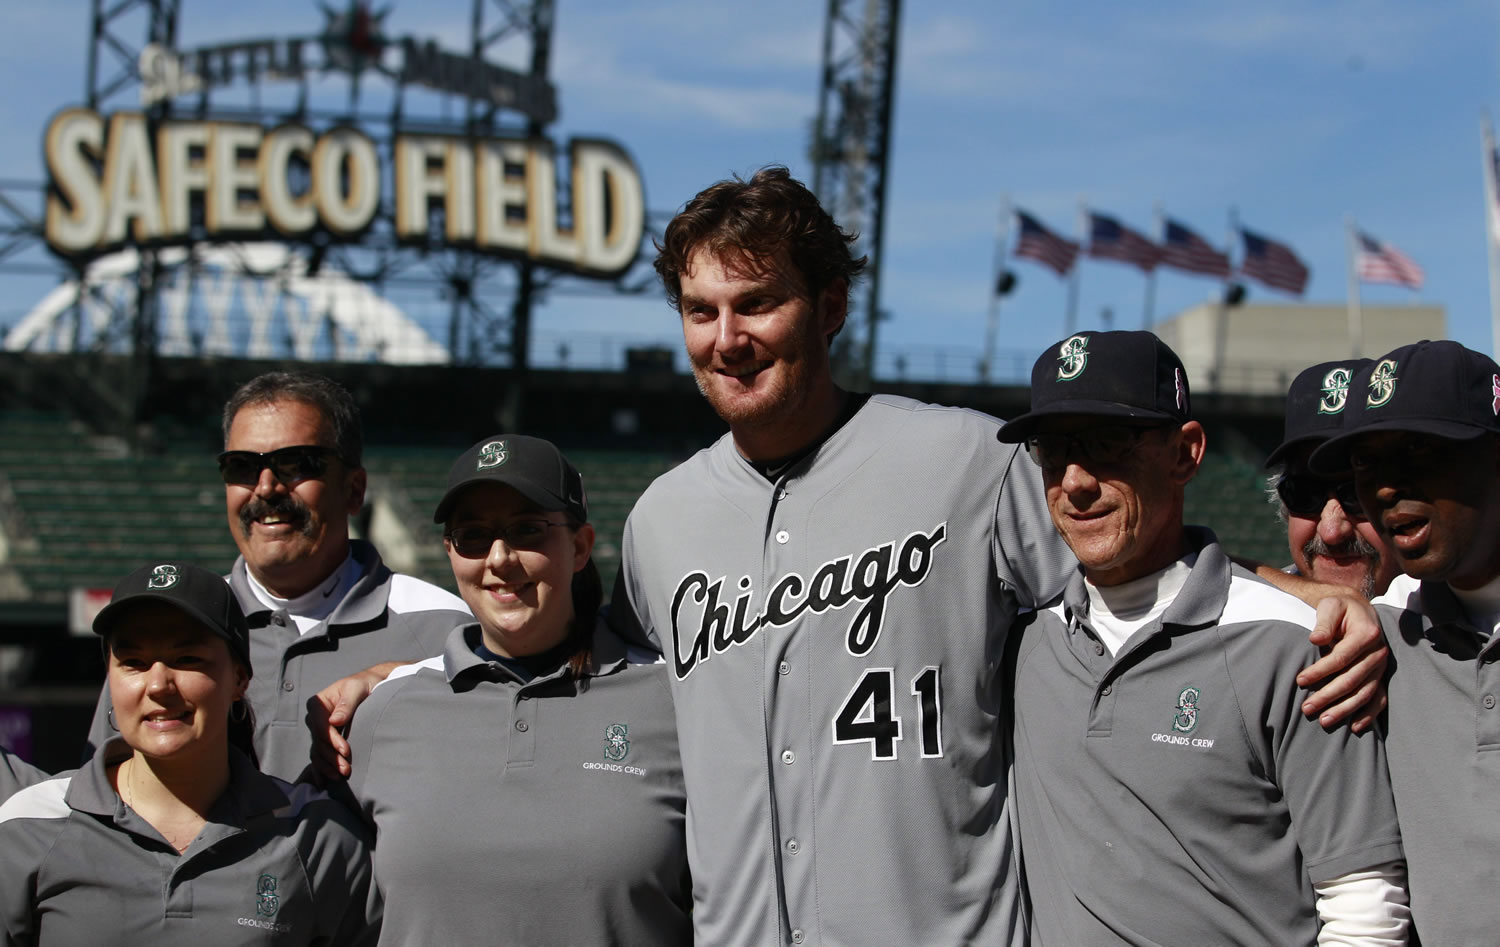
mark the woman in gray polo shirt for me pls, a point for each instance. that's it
(169, 834)
(525, 785)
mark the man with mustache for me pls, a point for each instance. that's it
(1329, 538)
(1422, 440)
(321, 606)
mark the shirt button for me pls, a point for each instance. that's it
(288, 686)
(1098, 648)
(783, 668)
(521, 726)
(1105, 691)
(788, 757)
(278, 619)
(782, 536)
(793, 846)
(1489, 701)
(797, 936)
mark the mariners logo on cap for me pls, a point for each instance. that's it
(492, 454)
(162, 577)
(1335, 391)
(1186, 717)
(1073, 358)
(615, 743)
(266, 901)
(1382, 383)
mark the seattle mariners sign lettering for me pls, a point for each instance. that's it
(878, 572)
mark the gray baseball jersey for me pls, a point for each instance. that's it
(833, 641)
(1443, 738)
(275, 864)
(16, 774)
(385, 616)
(544, 812)
(1174, 793)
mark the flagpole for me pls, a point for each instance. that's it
(992, 326)
(1221, 327)
(1491, 221)
(1161, 239)
(1070, 319)
(1356, 315)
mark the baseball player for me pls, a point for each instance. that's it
(525, 785)
(321, 606)
(15, 774)
(832, 584)
(169, 835)
(1168, 791)
(1423, 441)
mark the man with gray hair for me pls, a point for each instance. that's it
(1328, 534)
(321, 606)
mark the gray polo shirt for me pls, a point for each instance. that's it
(15, 774)
(1443, 737)
(385, 616)
(274, 864)
(1174, 793)
(549, 812)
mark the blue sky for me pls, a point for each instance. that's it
(1296, 114)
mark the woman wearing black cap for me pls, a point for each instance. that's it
(169, 834)
(525, 785)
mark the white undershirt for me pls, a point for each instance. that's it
(309, 609)
(1118, 611)
(1482, 606)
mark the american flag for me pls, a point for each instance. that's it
(1111, 240)
(1382, 263)
(1185, 250)
(1038, 243)
(1273, 264)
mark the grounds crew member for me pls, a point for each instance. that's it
(525, 785)
(320, 605)
(169, 835)
(1423, 440)
(1327, 533)
(1168, 791)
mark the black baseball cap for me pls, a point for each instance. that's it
(201, 594)
(1438, 388)
(1133, 376)
(533, 467)
(1315, 404)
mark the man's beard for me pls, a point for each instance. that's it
(1357, 546)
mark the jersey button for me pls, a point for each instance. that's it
(793, 846)
(1105, 691)
(277, 619)
(1489, 701)
(797, 936)
(782, 536)
(1098, 648)
(288, 686)
(783, 668)
(788, 757)
(522, 726)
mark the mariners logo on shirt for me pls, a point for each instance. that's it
(1186, 718)
(162, 577)
(616, 744)
(1335, 391)
(1073, 357)
(266, 901)
(492, 454)
(1382, 383)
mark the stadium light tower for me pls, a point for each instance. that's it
(851, 148)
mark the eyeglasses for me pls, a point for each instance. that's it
(475, 542)
(1306, 496)
(288, 464)
(1101, 445)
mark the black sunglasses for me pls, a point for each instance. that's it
(1306, 496)
(288, 464)
(475, 542)
(1101, 445)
